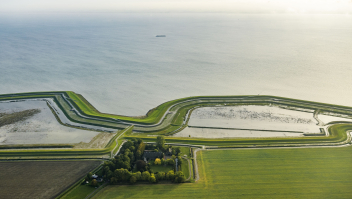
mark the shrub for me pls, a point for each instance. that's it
(160, 176)
(141, 165)
(137, 175)
(133, 180)
(157, 161)
(145, 175)
(179, 177)
(94, 183)
(170, 175)
(152, 178)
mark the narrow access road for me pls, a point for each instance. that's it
(196, 173)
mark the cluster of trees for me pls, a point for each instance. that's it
(161, 147)
(123, 175)
(92, 182)
(131, 151)
(119, 168)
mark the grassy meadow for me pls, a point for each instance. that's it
(161, 168)
(257, 173)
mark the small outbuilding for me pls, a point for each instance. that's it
(168, 152)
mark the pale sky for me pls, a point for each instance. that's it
(248, 6)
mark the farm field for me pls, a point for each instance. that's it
(257, 173)
(41, 179)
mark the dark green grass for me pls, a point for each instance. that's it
(79, 192)
(185, 168)
(257, 173)
(161, 168)
(185, 151)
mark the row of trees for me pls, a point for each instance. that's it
(171, 161)
(123, 175)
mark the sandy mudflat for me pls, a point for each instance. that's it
(229, 133)
(42, 128)
(254, 117)
(274, 120)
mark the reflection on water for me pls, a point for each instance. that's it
(119, 65)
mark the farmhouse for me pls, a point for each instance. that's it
(168, 152)
(150, 155)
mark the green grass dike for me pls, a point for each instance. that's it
(257, 173)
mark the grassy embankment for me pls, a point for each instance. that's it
(337, 136)
(155, 114)
(257, 173)
(179, 109)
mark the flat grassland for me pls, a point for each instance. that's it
(257, 173)
(161, 168)
(41, 179)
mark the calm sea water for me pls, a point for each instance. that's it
(119, 65)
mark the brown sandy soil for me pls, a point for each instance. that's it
(41, 179)
(98, 142)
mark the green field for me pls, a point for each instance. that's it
(184, 166)
(79, 192)
(257, 173)
(161, 168)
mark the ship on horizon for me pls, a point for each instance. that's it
(161, 36)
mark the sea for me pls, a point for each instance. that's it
(119, 65)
